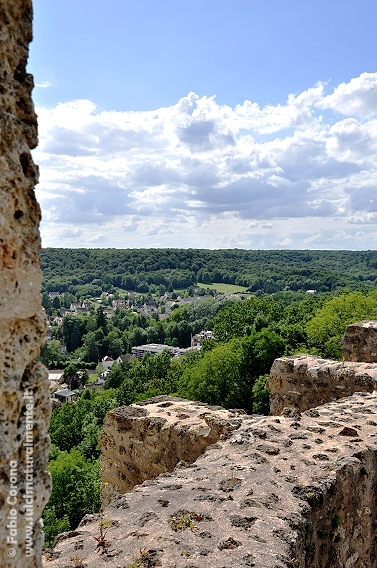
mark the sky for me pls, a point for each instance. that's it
(206, 124)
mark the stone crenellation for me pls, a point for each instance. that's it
(141, 441)
(305, 381)
(294, 490)
(359, 342)
(24, 402)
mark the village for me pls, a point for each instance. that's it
(59, 390)
(158, 308)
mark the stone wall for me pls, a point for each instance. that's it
(305, 381)
(277, 492)
(23, 384)
(141, 441)
(296, 490)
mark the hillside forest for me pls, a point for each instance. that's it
(289, 302)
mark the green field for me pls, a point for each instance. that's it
(223, 288)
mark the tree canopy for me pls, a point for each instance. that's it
(92, 271)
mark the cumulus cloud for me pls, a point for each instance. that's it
(196, 173)
(361, 218)
(356, 98)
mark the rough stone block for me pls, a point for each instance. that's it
(316, 381)
(141, 441)
(24, 402)
(359, 342)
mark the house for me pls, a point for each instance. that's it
(120, 304)
(154, 349)
(94, 386)
(197, 340)
(149, 307)
(56, 375)
(53, 387)
(80, 307)
(64, 395)
(168, 296)
(81, 310)
(107, 362)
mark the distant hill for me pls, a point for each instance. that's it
(90, 271)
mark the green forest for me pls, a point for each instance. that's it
(92, 271)
(230, 370)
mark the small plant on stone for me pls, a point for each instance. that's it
(142, 561)
(228, 485)
(102, 542)
(181, 521)
(108, 523)
(77, 561)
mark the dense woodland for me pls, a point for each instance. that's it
(90, 271)
(229, 370)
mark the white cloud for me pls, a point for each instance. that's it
(71, 234)
(362, 218)
(98, 239)
(44, 84)
(356, 98)
(353, 142)
(199, 173)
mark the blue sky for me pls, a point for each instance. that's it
(218, 124)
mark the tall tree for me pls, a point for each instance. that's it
(101, 319)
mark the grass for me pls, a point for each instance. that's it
(220, 287)
(223, 288)
(93, 378)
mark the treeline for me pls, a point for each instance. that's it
(91, 271)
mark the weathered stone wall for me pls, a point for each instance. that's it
(359, 342)
(294, 490)
(278, 492)
(23, 383)
(305, 381)
(141, 441)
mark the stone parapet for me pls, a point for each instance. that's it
(305, 381)
(146, 439)
(359, 342)
(277, 492)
